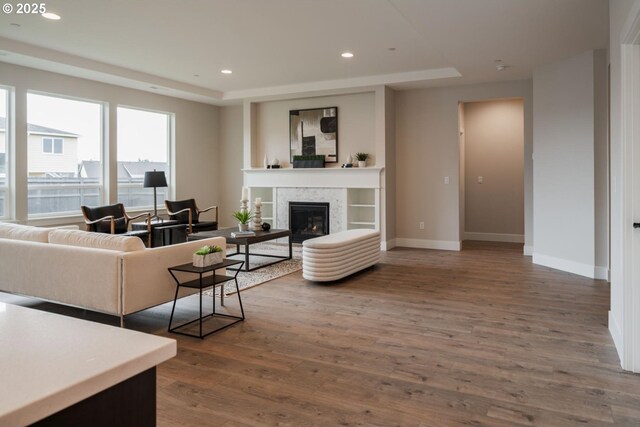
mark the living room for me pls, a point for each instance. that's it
(398, 99)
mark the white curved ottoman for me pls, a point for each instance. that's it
(338, 255)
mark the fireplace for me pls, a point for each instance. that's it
(308, 220)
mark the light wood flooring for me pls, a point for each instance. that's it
(479, 337)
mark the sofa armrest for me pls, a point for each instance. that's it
(146, 279)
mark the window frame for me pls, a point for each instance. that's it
(100, 185)
(171, 119)
(9, 158)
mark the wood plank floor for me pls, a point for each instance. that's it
(479, 337)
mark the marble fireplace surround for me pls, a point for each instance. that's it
(328, 185)
(336, 197)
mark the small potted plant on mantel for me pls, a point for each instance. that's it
(362, 159)
(243, 216)
(207, 255)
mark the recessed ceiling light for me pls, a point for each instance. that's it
(13, 24)
(51, 15)
(501, 67)
(392, 49)
(196, 75)
(226, 71)
(347, 55)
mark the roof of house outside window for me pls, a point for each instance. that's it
(39, 130)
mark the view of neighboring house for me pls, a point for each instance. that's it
(52, 152)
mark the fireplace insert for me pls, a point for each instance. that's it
(308, 220)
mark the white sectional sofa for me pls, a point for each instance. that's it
(100, 272)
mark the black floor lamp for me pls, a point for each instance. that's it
(154, 179)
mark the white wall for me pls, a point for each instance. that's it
(494, 150)
(427, 150)
(389, 173)
(230, 157)
(196, 157)
(564, 164)
(356, 126)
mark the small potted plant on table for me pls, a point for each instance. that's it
(362, 159)
(207, 255)
(243, 217)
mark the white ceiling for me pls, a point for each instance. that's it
(283, 47)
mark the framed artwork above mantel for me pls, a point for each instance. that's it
(314, 132)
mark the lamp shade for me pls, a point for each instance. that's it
(154, 179)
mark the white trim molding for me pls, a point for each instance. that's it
(388, 244)
(368, 177)
(527, 250)
(574, 267)
(446, 245)
(628, 339)
(616, 334)
(602, 273)
(494, 237)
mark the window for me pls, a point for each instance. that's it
(5, 138)
(64, 154)
(143, 145)
(52, 145)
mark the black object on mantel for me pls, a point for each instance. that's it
(636, 225)
(273, 166)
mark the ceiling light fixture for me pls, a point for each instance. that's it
(51, 15)
(347, 55)
(501, 67)
(226, 71)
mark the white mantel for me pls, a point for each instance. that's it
(369, 177)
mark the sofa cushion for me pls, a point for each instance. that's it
(24, 232)
(89, 239)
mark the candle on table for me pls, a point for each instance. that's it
(258, 201)
(245, 193)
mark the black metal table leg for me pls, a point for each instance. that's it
(246, 256)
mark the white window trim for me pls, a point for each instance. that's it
(44, 218)
(171, 138)
(9, 158)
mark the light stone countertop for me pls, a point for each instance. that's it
(49, 362)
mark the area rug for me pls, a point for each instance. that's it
(250, 279)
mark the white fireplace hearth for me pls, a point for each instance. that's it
(353, 194)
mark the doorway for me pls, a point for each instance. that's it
(492, 170)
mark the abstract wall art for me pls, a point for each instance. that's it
(314, 132)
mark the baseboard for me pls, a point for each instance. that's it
(616, 334)
(388, 245)
(494, 237)
(527, 250)
(447, 245)
(602, 273)
(565, 265)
